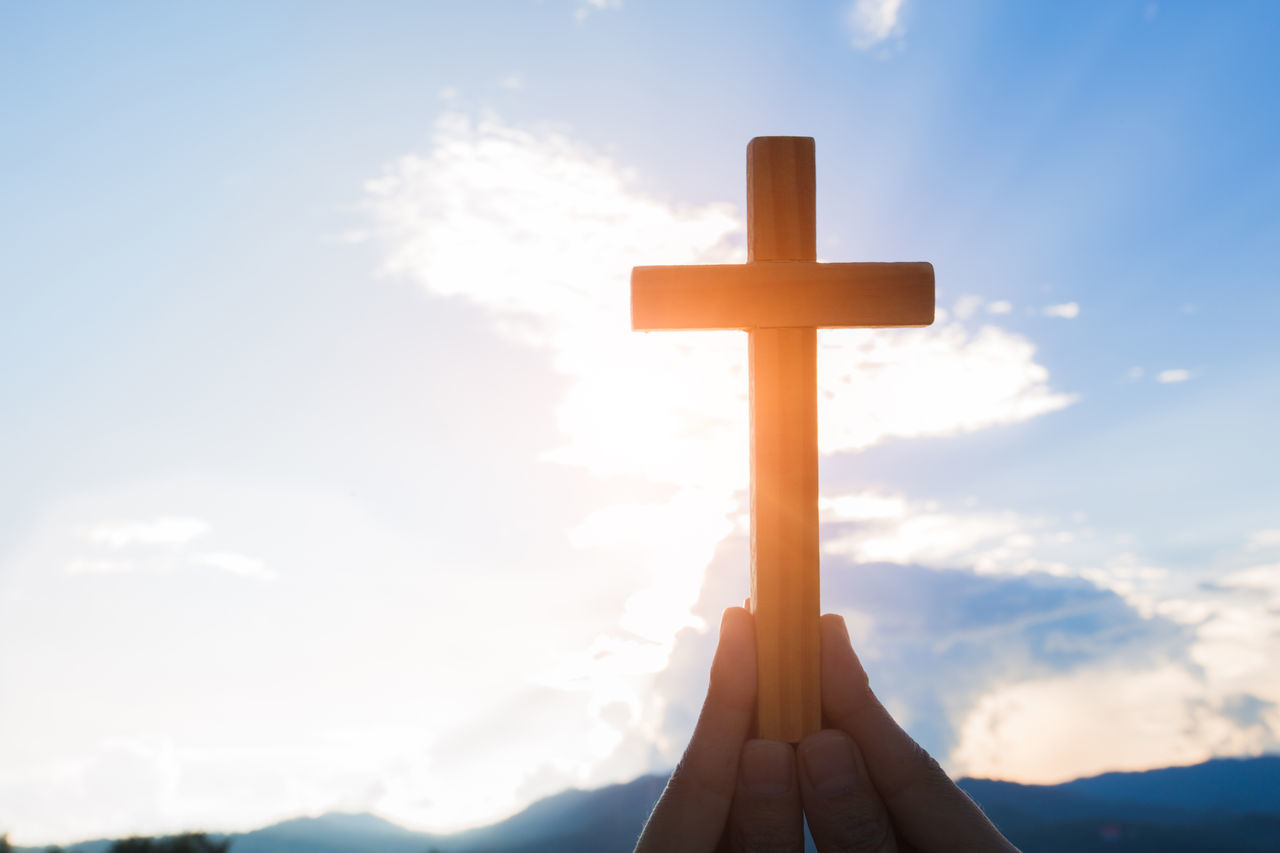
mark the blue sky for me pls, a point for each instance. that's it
(334, 478)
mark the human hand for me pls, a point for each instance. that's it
(863, 784)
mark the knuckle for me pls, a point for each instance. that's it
(769, 824)
(931, 772)
(864, 829)
(680, 782)
(767, 836)
(922, 773)
(687, 782)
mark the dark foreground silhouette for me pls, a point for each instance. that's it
(1223, 806)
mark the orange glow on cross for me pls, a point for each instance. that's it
(781, 296)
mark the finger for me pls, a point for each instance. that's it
(694, 808)
(927, 808)
(844, 811)
(766, 809)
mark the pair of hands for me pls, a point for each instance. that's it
(863, 784)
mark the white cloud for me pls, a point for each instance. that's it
(82, 566)
(986, 541)
(114, 788)
(1101, 720)
(1264, 540)
(513, 82)
(1177, 374)
(861, 506)
(1238, 630)
(1205, 686)
(1135, 373)
(1066, 310)
(941, 380)
(1127, 717)
(893, 528)
(237, 564)
(1000, 306)
(586, 7)
(874, 21)
(159, 546)
(966, 306)
(167, 530)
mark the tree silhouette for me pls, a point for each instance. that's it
(191, 842)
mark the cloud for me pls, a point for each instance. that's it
(112, 789)
(670, 406)
(1217, 693)
(942, 380)
(1134, 373)
(81, 566)
(237, 564)
(159, 546)
(1078, 631)
(1102, 719)
(966, 306)
(586, 7)
(1177, 374)
(167, 530)
(1000, 306)
(513, 82)
(874, 21)
(1066, 310)
(1264, 540)
(1214, 693)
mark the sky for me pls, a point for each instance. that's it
(332, 476)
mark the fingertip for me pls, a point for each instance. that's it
(734, 622)
(839, 661)
(834, 624)
(767, 767)
(844, 810)
(831, 761)
(733, 670)
(845, 686)
(766, 813)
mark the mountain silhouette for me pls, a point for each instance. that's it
(1227, 805)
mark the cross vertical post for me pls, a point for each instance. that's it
(781, 297)
(784, 452)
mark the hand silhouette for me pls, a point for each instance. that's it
(863, 784)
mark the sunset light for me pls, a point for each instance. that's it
(336, 479)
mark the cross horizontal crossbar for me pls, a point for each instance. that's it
(781, 294)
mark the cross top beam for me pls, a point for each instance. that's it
(780, 297)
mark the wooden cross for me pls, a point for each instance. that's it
(781, 296)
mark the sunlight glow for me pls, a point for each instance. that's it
(669, 409)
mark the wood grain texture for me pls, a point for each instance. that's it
(784, 453)
(784, 532)
(781, 199)
(779, 294)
